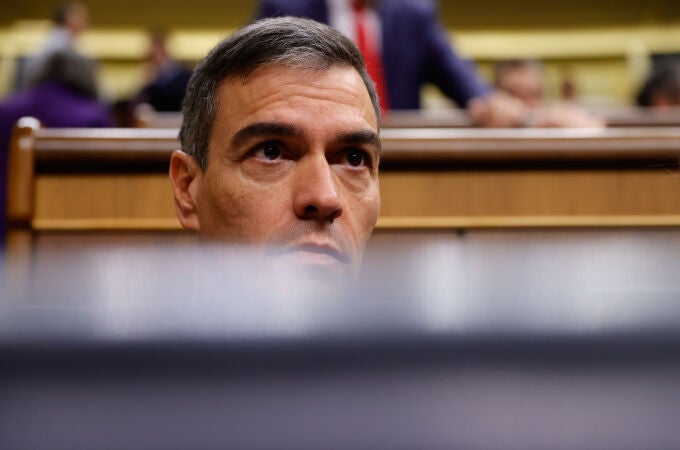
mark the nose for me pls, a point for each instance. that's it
(316, 194)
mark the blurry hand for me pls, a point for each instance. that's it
(497, 110)
(563, 115)
(500, 110)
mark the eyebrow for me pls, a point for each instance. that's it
(259, 129)
(369, 137)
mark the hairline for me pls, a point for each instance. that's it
(204, 100)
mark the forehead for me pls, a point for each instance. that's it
(283, 93)
(524, 72)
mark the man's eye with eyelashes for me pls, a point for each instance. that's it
(272, 151)
(356, 157)
(269, 151)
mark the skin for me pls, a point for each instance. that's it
(77, 19)
(523, 83)
(292, 167)
(518, 102)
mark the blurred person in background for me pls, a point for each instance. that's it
(405, 47)
(167, 79)
(523, 79)
(661, 90)
(70, 20)
(63, 93)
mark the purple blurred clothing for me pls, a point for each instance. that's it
(56, 107)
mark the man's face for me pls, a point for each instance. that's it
(292, 166)
(523, 83)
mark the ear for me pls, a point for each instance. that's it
(185, 175)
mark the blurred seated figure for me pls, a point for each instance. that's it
(523, 80)
(62, 94)
(70, 20)
(166, 80)
(661, 90)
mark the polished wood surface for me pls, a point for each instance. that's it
(441, 178)
(510, 147)
(21, 173)
(530, 198)
(128, 147)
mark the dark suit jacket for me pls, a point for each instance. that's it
(415, 49)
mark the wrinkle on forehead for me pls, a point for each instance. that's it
(269, 86)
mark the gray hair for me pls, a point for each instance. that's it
(69, 68)
(287, 41)
(665, 82)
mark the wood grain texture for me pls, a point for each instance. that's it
(116, 179)
(20, 173)
(529, 193)
(104, 197)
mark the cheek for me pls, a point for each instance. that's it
(244, 211)
(366, 208)
(373, 209)
(355, 183)
(219, 207)
(263, 174)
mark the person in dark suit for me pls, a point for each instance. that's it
(415, 50)
(167, 78)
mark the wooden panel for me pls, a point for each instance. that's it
(139, 199)
(541, 198)
(20, 173)
(457, 198)
(117, 179)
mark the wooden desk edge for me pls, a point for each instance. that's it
(386, 223)
(453, 222)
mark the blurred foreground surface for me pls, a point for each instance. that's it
(488, 339)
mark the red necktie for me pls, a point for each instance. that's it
(366, 41)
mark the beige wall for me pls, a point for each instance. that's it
(604, 50)
(456, 14)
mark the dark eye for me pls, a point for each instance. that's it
(356, 157)
(269, 150)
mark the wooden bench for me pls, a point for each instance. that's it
(116, 179)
